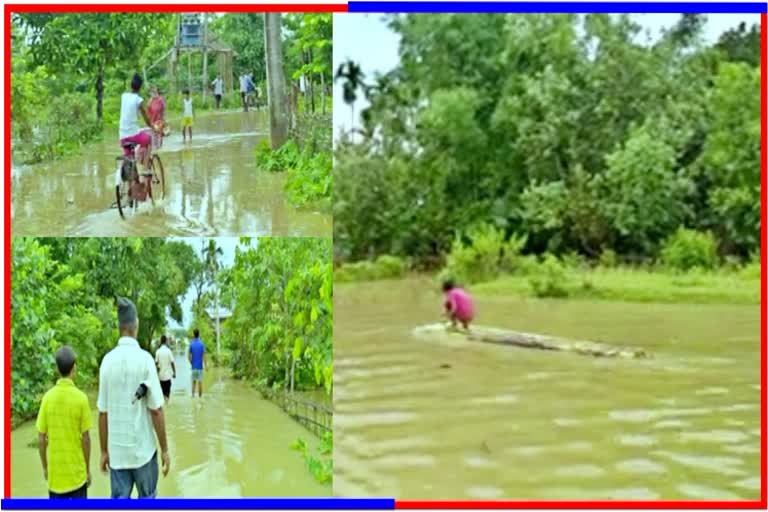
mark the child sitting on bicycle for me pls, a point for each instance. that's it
(131, 104)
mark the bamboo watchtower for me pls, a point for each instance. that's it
(193, 37)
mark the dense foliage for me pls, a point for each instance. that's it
(280, 332)
(572, 132)
(63, 292)
(308, 167)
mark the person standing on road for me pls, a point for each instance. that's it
(244, 91)
(218, 90)
(197, 361)
(130, 404)
(166, 367)
(64, 439)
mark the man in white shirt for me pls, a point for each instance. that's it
(130, 403)
(166, 367)
(218, 90)
(131, 105)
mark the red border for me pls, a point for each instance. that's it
(763, 258)
(7, 244)
(399, 504)
(176, 7)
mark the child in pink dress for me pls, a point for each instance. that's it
(458, 305)
(156, 113)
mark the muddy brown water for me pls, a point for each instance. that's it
(423, 418)
(231, 443)
(213, 188)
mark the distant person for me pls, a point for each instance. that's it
(218, 90)
(458, 305)
(244, 91)
(130, 404)
(186, 123)
(166, 367)
(251, 96)
(131, 105)
(197, 361)
(64, 440)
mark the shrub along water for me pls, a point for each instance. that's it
(307, 164)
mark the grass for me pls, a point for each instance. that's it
(641, 285)
(615, 284)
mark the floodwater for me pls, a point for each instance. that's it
(213, 188)
(231, 443)
(419, 418)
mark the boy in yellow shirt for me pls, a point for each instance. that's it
(63, 438)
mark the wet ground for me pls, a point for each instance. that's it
(419, 418)
(230, 443)
(213, 188)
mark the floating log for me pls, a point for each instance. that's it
(533, 341)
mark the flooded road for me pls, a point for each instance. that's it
(231, 443)
(213, 188)
(416, 418)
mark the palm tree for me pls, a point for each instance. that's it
(353, 80)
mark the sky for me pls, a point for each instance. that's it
(228, 246)
(367, 40)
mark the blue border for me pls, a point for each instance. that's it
(557, 7)
(201, 503)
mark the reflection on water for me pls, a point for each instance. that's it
(212, 188)
(230, 443)
(419, 418)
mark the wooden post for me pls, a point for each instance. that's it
(322, 92)
(205, 59)
(278, 118)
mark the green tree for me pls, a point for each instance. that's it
(572, 130)
(730, 160)
(91, 44)
(281, 327)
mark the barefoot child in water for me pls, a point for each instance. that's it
(458, 305)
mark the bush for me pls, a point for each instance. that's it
(511, 260)
(390, 267)
(309, 168)
(753, 268)
(484, 255)
(686, 249)
(608, 258)
(385, 267)
(550, 280)
(309, 180)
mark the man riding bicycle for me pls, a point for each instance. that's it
(131, 104)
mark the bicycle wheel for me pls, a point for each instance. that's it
(158, 172)
(118, 201)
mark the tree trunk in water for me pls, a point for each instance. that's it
(293, 372)
(311, 84)
(322, 93)
(278, 117)
(305, 78)
(205, 72)
(100, 96)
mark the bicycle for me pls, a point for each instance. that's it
(132, 187)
